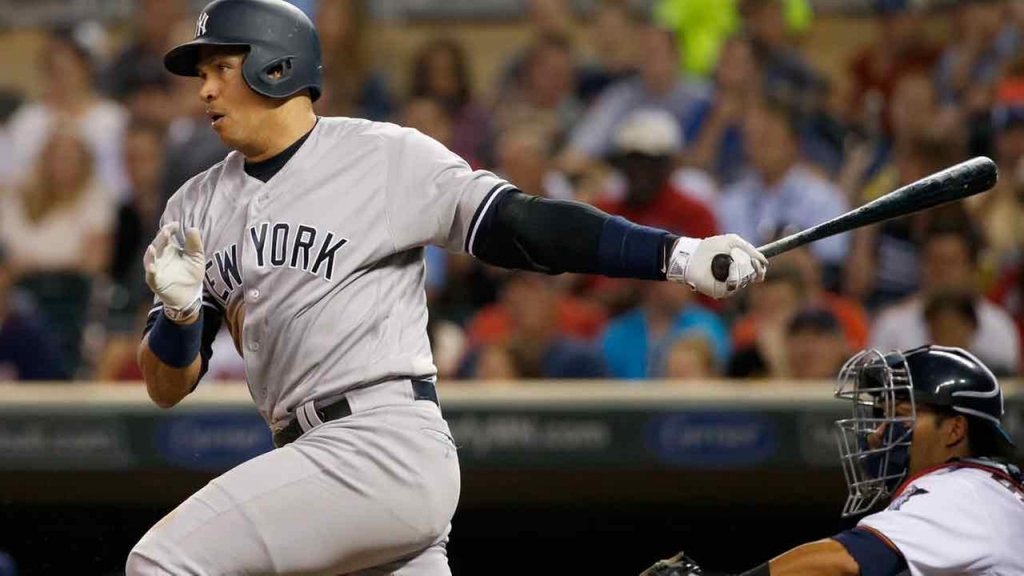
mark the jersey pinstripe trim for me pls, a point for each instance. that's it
(474, 225)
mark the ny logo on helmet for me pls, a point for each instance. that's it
(201, 24)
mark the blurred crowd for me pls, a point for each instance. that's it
(697, 116)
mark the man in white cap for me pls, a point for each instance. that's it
(644, 148)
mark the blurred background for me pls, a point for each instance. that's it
(603, 423)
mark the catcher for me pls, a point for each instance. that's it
(926, 441)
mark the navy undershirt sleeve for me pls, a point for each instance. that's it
(873, 554)
(526, 232)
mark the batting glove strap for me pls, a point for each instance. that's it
(679, 261)
(186, 314)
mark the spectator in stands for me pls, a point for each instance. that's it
(637, 344)
(495, 363)
(441, 71)
(535, 343)
(27, 352)
(1008, 292)
(952, 318)
(781, 191)
(573, 317)
(546, 19)
(913, 114)
(546, 93)
(815, 346)
(351, 87)
(1000, 211)
(613, 32)
(719, 140)
(57, 228)
(154, 99)
(900, 48)
(643, 152)
(702, 27)
(69, 97)
(786, 335)
(883, 264)
(786, 71)
(759, 337)
(138, 220)
(949, 259)
(659, 85)
(809, 291)
(969, 69)
(61, 218)
(643, 149)
(139, 68)
(1001, 215)
(523, 156)
(785, 68)
(691, 357)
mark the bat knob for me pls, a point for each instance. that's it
(720, 267)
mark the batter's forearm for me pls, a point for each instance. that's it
(555, 236)
(166, 384)
(821, 558)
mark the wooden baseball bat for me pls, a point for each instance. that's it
(965, 179)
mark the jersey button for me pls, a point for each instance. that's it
(254, 294)
(255, 346)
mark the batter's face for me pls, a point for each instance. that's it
(236, 112)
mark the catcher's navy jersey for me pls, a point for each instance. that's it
(319, 271)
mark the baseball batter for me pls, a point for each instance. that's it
(307, 243)
(926, 456)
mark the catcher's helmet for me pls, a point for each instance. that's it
(954, 378)
(275, 34)
(951, 378)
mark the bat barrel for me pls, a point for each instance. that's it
(957, 182)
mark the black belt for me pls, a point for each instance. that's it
(421, 390)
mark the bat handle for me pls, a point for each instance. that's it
(720, 267)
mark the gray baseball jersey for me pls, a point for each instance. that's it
(322, 266)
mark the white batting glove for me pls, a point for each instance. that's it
(691, 259)
(174, 273)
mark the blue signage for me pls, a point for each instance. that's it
(212, 442)
(708, 439)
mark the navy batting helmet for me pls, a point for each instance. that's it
(949, 378)
(277, 36)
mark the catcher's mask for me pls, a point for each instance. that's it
(874, 382)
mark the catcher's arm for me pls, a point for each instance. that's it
(821, 558)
